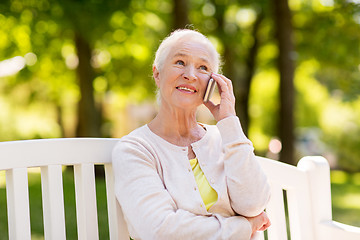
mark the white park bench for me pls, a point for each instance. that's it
(307, 190)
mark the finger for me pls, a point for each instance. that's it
(225, 86)
(263, 227)
(228, 82)
(222, 85)
(266, 225)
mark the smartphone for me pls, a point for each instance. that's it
(209, 90)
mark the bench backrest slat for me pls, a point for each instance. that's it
(53, 202)
(86, 208)
(111, 202)
(117, 225)
(17, 193)
(300, 216)
(276, 212)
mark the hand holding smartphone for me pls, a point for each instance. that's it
(209, 89)
(226, 106)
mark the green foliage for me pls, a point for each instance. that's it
(43, 34)
(331, 36)
(345, 197)
(341, 125)
(263, 103)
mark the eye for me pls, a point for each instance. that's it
(180, 62)
(203, 67)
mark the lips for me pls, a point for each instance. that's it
(186, 88)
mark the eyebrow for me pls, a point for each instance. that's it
(185, 55)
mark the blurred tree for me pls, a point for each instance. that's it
(330, 34)
(181, 14)
(33, 36)
(284, 32)
(327, 34)
(88, 19)
(89, 116)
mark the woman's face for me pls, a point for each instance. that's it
(183, 78)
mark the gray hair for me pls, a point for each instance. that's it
(165, 47)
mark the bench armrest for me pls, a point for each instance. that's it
(335, 230)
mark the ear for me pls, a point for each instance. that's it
(156, 74)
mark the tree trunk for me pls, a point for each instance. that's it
(286, 69)
(181, 12)
(89, 118)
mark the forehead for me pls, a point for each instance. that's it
(191, 48)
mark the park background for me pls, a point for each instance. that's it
(83, 69)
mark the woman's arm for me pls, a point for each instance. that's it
(247, 184)
(151, 212)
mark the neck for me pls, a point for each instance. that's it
(177, 126)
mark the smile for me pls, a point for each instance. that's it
(186, 89)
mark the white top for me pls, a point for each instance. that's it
(157, 191)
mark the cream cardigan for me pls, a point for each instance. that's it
(158, 194)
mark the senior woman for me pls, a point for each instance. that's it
(176, 178)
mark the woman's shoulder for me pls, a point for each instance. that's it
(138, 138)
(139, 132)
(135, 145)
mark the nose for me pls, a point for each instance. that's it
(190, 73)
